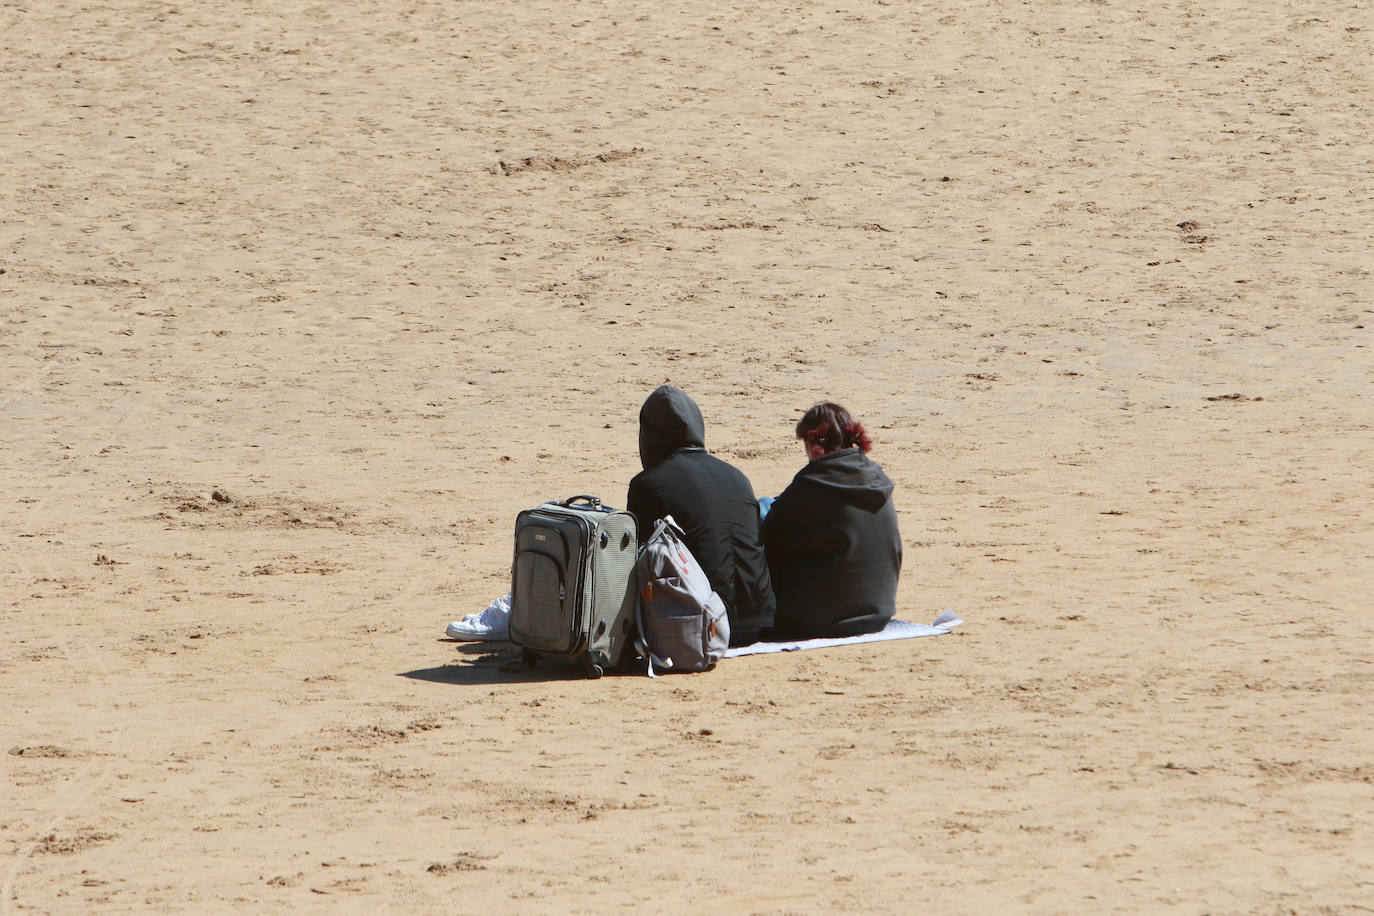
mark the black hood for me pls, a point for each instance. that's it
(850, 472)
(668, 421)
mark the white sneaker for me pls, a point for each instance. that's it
(491, 624)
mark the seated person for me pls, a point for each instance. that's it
(831, 537)
(712, 501)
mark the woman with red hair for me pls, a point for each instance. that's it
(831, 538)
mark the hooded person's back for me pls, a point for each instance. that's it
(712, 501)
(834, 549)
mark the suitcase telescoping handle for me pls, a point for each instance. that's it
(592, 501)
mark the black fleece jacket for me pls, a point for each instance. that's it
(711, 500)
(834, 550)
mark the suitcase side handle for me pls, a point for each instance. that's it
(592, 501)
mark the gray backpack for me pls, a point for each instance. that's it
(682, 621)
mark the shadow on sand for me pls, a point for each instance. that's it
(497, 663)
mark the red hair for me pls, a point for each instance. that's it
(832, 428)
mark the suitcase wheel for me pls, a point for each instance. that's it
(591, 668)
(529, 658)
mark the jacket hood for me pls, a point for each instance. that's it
(668, 421)
(850, 473)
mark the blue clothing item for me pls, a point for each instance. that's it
(765, 503)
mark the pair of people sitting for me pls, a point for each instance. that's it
(822, 560)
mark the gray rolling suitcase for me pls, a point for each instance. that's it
(572, 593)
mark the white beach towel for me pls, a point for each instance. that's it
(895, 629)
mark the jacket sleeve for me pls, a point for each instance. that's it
(781, 527)
(643, 501)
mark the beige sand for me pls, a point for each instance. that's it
(384, 273)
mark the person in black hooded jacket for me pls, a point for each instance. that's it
(711, 500)
(831, 537)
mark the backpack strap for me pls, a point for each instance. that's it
(650, 658)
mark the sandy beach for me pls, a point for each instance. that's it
(301, 303)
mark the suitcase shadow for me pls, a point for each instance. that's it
(488, 663)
